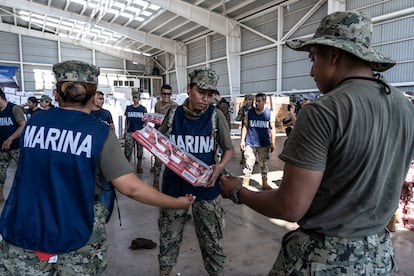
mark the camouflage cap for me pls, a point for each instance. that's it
(76, 71)
(248, 97)
(204, 78)
(45, 98)
(135, 93)
(349, 31)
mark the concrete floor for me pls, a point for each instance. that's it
(251, 241)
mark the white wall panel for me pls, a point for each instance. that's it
(196, 52)
(393, 37)
(296, 11)
(266, 24)
(74, 52)
(38, 50)
(103, 60)
(223, 84)
(9, 46)
(173, 83)
(258, 73)
(218, 46)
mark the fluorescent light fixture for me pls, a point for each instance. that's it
(82, 2)
(119, 5)
(66, 23)
(24, 13)
(25, 18)
(37, 21)
(154, 7)
(127, 15)
(51, 24)
(54, 20)
(141, 3)
(133, 9)
(66, 28)
(146, 13)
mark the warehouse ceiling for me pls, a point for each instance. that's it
(138, 27)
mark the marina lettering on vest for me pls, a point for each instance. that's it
(258, 123)
(60, 140)
(132, 114)
(193, 144)
(6, 121)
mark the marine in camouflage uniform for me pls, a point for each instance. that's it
(133, 122)
(53, 222)
(345, 160)
(193, 120)
(12, 122)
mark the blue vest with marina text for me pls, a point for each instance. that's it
(8, 126)
(258, 133)
(195, 137)
(134, 117)
(50, 206)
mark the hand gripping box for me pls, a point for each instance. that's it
(155, 118)
(190, 168)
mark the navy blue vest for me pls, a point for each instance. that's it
(193, 136)
(8, 125)
(258, 134)
(134, 117)
(50, 206)
(102, 115)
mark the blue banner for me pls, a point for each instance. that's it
(8, 76)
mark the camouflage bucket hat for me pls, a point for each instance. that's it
(76, 71)
(349, 31)
(204, 78)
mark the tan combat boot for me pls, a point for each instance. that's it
(265, 186)
(246, 181)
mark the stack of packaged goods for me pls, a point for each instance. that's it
(407, 203)
(190, 168)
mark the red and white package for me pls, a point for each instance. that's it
(155, 118)
(186, 165)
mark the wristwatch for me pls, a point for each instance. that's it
(235, 195)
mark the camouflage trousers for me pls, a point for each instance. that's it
(304, 254)
(262, 154)
(87, 260)
(5, 158)
(208, 218)
(130, 142)
(157, 173)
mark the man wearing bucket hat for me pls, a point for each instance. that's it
(52, 222)
(195, 121)
(345, 161)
